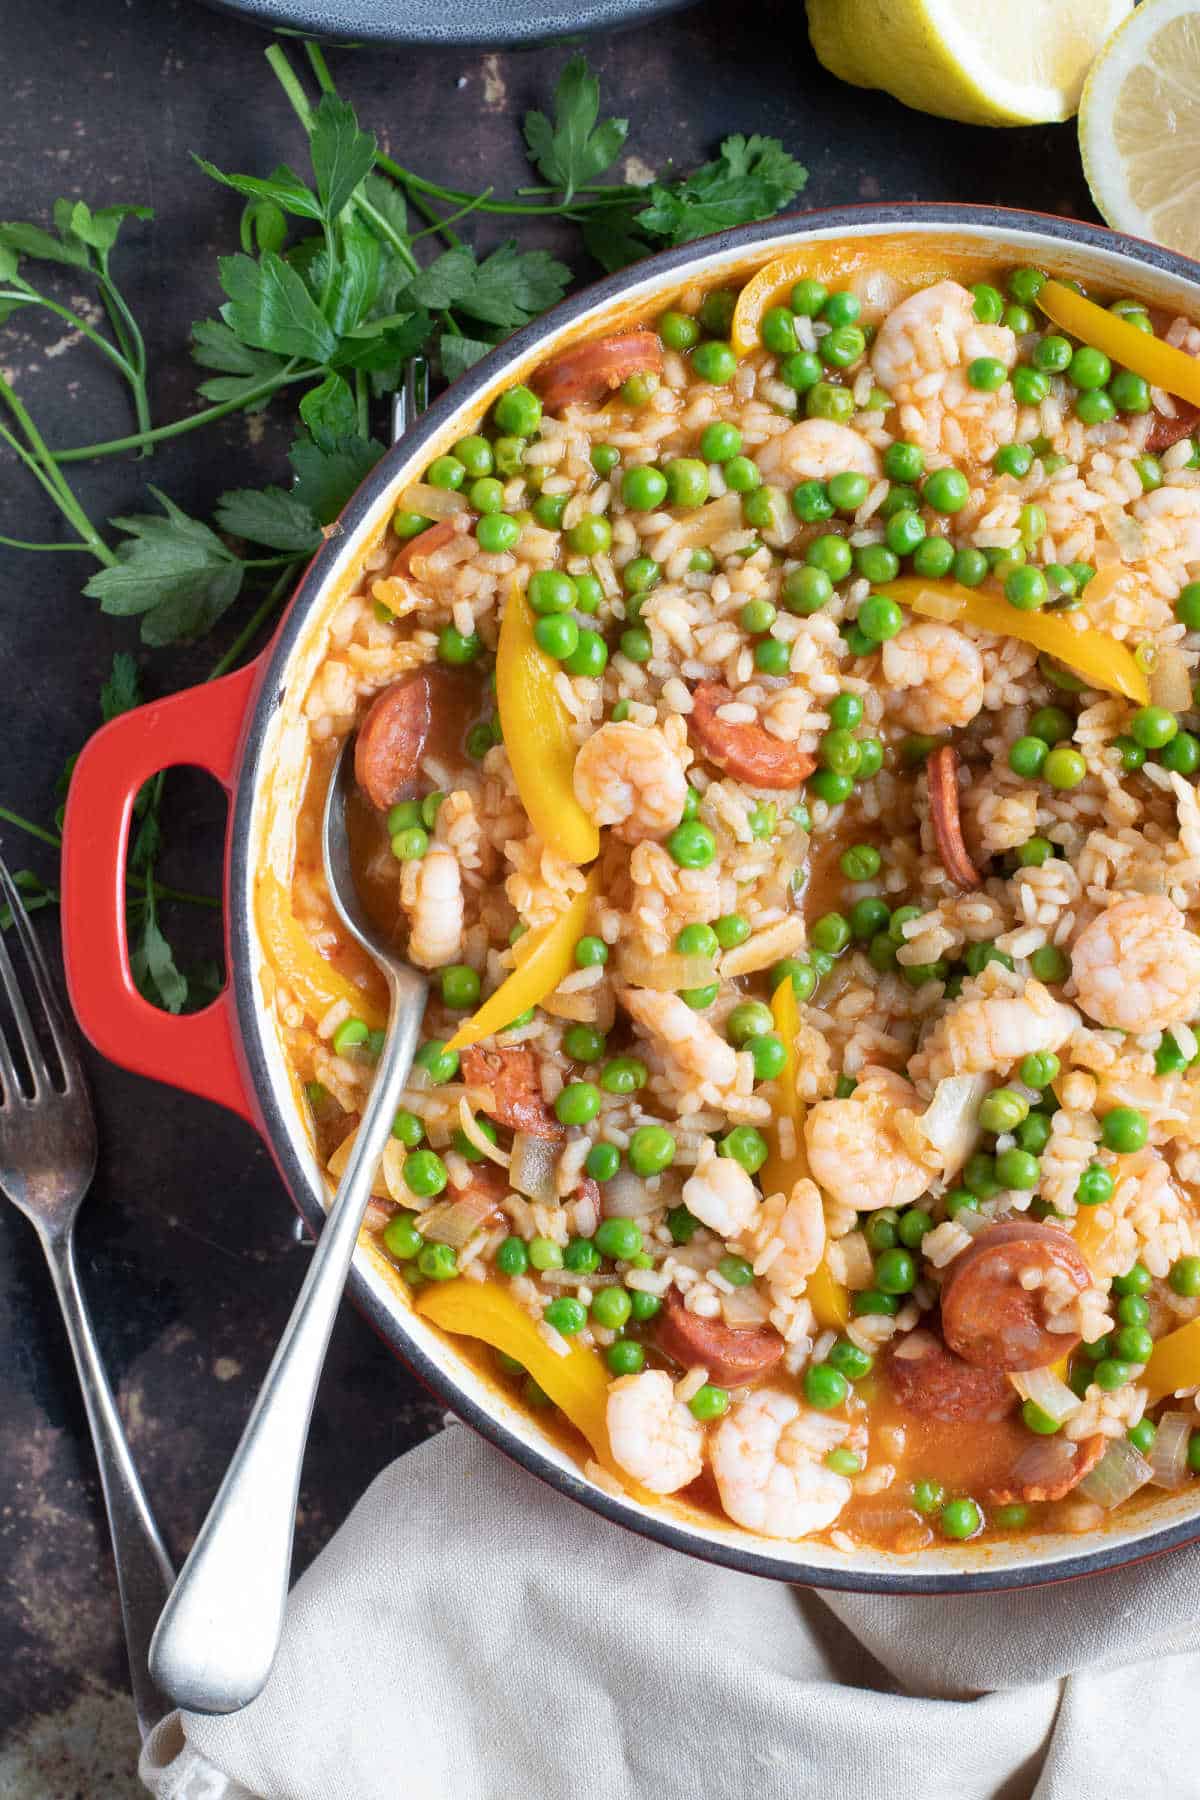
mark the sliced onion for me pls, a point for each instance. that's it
(1119, 1473)
(708, 523)
(667, 973)
(456, 1221)
(1044, 1463)
(1126, 533)
(531, 1169)
(972, 1222)
(625, 1197)
(1047, 1390)
(473, 1132)
(786, 937)
(432, 502)
(951, 1120)
(341, 1156)
(744, 1307)
(1170, 685)
(1168, 1452)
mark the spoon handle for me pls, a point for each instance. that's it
(220, 1629)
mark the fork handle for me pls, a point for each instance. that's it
(144, 1573)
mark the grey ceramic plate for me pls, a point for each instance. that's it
(476, 22)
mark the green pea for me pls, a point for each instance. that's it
(933, 557)
(716, 311)
(987, 373)
(870, 758)
(476, 455)
(876, 563)
(625, 1357)
(1002, 1110)
(826, 400)
(825, 1387)
(1064, 768)
(636, 389)
(714, 362)
(970, 566)
(847, 491)
(1013, 459)
(1153, 726)
(841, 307)
(437, 1262)
(1182, 754)
(1124, 1129)
(643, 488)
(557, 635)
(1025, 588)
(1110, 1373)
(979, 1177)
(589, 657)
(687, 481)
(808, 297)
(1011, 1517)
(641, 575)
(519, 412)
(1052, 354)
(1030, 387)
(1035, 1419)
(709, 1402)
(1187, 606)
(731, 929)
(896, 1272)
(577, 1104)
(678, 330)
(778, 330)
(604, 458)
(801, 974)
(842, 346)
(880, 617)
(946, 490)
(1094, 1187)
(692, 845)
(736, 1271)
(624, 1075)
(806, 590)
(989, 303)
(460, 987)
(1142, 1436)
(651, 1150)
(914, 1225)
(903, 532)
(1130, 392)
(720, 442)
(748, 1020)
(872, 1302)
(1027, 757)
(961, 1519)
(637, 644)
(424, 1174)
(903, 462)
(1095, 406)
(849, 1360)
(589, 952)
(401, 1238)
(801, 371)
(566, 1314)
(351, 1034)
(1018, 319)
(611, 1307)
(927, 1496)
(497, 533)
(868, 916)
(831, 555)
(1184, 1277)
(746, 1146)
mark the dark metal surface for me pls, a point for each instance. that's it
(499, 23)
(188, 1252)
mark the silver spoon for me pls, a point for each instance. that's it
(220, 1629)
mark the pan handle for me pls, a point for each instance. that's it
(202, 727)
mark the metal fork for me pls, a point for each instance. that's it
(47, 1160)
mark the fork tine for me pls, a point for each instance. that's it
(38, 1066)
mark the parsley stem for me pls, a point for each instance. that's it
(27, 825)
(289, 82)
(24, 295)
(129, 336)
(55, 842)
(51, 476)
(23, 544)
(362, 403)
(270, 384)
(258, 618)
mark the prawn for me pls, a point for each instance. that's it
(688, 1039)
(768, 1459)
(814, 450)
(991, 1030)
(431, 893)
(932, 338)
(856, 1151)
(1137, 966)
(652, 1435)
(627, 776)
(721, 1194)
(934, 677)
(795, 1222)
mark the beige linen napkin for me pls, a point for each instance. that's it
(471, 1635)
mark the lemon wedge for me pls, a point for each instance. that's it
(1139, 125)
(988, 62)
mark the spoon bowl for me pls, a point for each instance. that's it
(220, 1629)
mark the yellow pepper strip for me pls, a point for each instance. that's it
(315, 983)
(1174, 1364)
(577, 1382)
(537, 737)
(830, 1301)
(1101, 659)
(549, 958)
(1162, 365)
(1089, 1234)
(768, 288)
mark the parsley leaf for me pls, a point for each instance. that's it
(270, 516)
(34, 895)
(460, 354)
(326, 477)
(383, 346)
(574, 150)
(215, 346)
(342, 154)
(750, 179)
(173, 570)
(153, 965)
(282, 185)
(122, 692)
(80, 231)
(612, 236)
(270, 308)
(508, 288)
(329, 412)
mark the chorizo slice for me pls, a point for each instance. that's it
(591, 371)
(434, 537)
(391, 739)
(942, 775)
(747, 752)
(733, 1357)
(1164, 432)
(1049, 1469)
(510, 1077)
(930, 1381)
(989, 1318)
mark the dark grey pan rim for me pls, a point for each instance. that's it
(387, 1320)
(485, 24)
